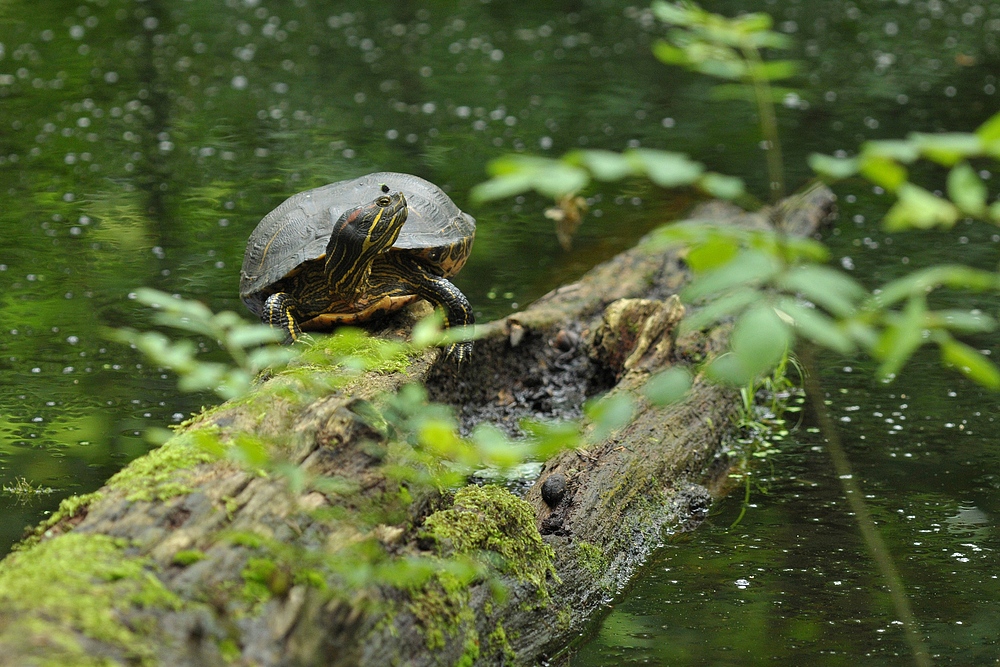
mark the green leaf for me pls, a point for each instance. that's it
(250, 451)
(604, 165)
(667, 387)
(270, 357)
(751, 23)
(759, 341)
(970, 362)
(864, 333)
(711, 254)
(963, 321)
(665, 168)
(967, 190)
(675, 14)
(251, 335)
(559, 181)
(500, 187)
(833, 290)
(514, 174)
(427, 332)
(721, 186)
(495, 448)
(769, 40)
(728, 370)
(202, 376)
(724, 306)
(713, 63)
(995, 212)
(954, 276)
(883, 171)
(747, 268)
(154, 298)
(919, 208)
(989, 132)
(551, 437)
(892, 149)
(833, 167)
(947, 148)
(902, 337)
(669, 54)
(817, 327)
(608, 414)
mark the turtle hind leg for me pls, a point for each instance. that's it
(279, 311)
(426, 284)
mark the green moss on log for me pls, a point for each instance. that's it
(164, 472)
(491, 520)
(441, 607)
(80, 583)
(591, 558)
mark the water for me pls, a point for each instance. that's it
(141, 142)
(793, 581)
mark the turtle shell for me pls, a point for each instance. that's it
(298, 230)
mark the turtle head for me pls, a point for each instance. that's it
(358, 236)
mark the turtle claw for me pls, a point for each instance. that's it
(459, 353)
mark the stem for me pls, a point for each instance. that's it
(869, 530)
(768, 123)
(746, 501)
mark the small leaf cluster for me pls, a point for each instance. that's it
(561, 177)
(885, 163)
(252, 347)
(724, 48)
(435, 453)
(772, 285)
(777, 290)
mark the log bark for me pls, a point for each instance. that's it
(192, 556)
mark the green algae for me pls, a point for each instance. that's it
(81, 583)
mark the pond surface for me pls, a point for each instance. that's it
(140, 143)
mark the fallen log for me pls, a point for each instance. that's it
(191, 557)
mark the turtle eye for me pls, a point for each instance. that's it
(382, 201)
(385, 188)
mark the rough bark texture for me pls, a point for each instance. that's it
(192, 558)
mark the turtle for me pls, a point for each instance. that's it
(356, 249)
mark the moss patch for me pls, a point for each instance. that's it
(441, 607)
(82, 583)
(68, 509)
(491, 520)
(490, 524)
(591, 558)
(499, 643)
(188, 557)
(274, 569)
(162, 473)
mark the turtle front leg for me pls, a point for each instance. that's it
(442, 294)
(279, 312)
